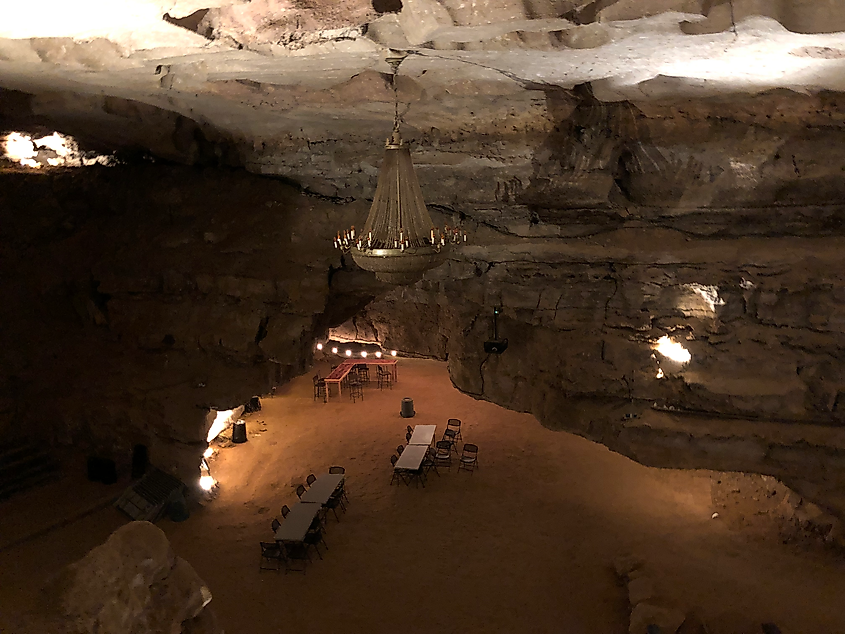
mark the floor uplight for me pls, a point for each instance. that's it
(206, 482)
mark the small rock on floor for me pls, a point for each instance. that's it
(640, 589)
(645, 614)
(626, 564)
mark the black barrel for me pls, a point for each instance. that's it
(407, 410)
(102, 470)
(139, 461)
(239, 431)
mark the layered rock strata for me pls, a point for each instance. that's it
(598, 229)
(138, 299)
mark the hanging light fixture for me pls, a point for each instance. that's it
(399, 241)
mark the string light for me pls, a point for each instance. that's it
(349, 353)
(363, 354)
(334, 350)
(319, 346)
(393, 353)
(378, 354)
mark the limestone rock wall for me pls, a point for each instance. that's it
(148, 294)
(136, 298)
(717, 226)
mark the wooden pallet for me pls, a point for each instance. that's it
(148, 498)
(24, 466)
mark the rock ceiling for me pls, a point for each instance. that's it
(266, 70)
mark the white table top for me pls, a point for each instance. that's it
(423, 435)
(412, 457)
(322, 488)
(296, 524)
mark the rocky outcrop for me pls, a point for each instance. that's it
(638, 224)
(144, 296)
(131, 583)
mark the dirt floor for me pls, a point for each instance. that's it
(525, 544)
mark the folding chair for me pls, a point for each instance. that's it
(469, 458)
(271, 553)
(320, 390)
(455, 425)
(451, 437)
(397, 473)
(443, 454)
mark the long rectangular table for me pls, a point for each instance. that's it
(423, 435)
(411, 461)
(339, 373)
(297, 523)
(322, 488)
(412, 457)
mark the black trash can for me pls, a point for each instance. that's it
(139, 461)
(407, 410)
(102, 470)
(239, 431)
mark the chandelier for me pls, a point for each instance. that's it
(399, 241)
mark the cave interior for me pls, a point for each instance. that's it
(652, 194)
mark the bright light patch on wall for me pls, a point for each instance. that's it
(672, 350)
(54, 150)
(710, 295)
(221, 421)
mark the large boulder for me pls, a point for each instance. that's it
(131, 583)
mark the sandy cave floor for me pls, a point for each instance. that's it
(523, 545)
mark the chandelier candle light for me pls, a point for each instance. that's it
(399, 241)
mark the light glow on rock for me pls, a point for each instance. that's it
(660, 374)
(221, 421)
(672, 350)
(54, 150)
(208, 452)
(710, 295)
(207, 482)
